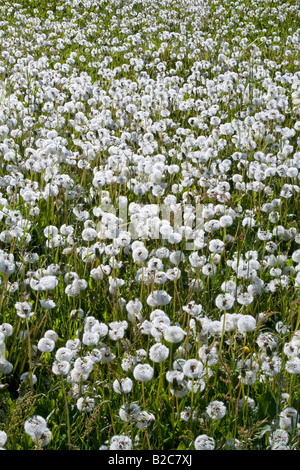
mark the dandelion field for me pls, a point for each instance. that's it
(149, 225)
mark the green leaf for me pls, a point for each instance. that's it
(262, 431)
